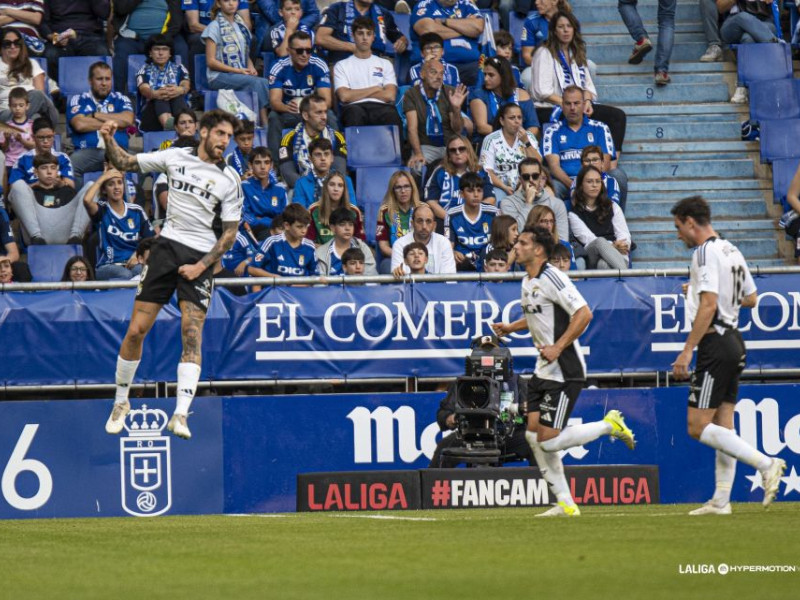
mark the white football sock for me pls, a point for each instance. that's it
(577, 435)
(732, 445)
(126, 370)
(551, 468)
(724, 472)
(188, 376)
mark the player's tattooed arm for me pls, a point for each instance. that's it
(224, 243)
(116, 155)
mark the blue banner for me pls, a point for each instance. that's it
(394, 330)
(246, 452)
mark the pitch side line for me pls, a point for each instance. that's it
(384, 517)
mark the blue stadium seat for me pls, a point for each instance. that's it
(91, 176)
(135, 62)
(151, 140)
(779, 139)
(515, 23)
(47, 262)
(762, 62)
(200, 76)
(402, 68)
(373, 146)
(777, 99)
(403, 23)
(57, 142)
(73, 73)
(250, 99)
(494, 17)
(269, 59)
(782, 172)
(371, 188)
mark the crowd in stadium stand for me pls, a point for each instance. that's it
(487, 149)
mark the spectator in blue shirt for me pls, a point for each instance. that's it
(43, 138)
(469, 226)
(288, 254)
(504, 46)
(461, 43)
(239, 159)
(335, 31)
(291, 22)
(534, 32)
(499, 88)
(432, 48)
(87, 113)
(270, 15)
(308, 188)
(228, 63)
(264, 199)
(120, 226)
(291, 79)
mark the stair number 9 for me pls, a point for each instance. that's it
(649, 92)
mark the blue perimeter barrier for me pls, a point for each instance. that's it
(396, 330)
(246, 452)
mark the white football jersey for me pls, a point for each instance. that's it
(718, 267)
(548, 303)
(201, 195)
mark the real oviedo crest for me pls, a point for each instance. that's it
(145, 467)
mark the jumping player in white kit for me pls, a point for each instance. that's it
(203, 213)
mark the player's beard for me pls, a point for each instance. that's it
(214, 151)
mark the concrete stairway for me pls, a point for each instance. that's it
(682, 139)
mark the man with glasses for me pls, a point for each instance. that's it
(532, 192)
(336, 32)
(423, 230)
(592, 156)
(292, 78)
(433, 113)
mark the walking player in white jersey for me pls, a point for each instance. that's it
(719, 285)
(556, 315)
(203, 212)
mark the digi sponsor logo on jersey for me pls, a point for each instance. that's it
(128, 236)
(473, 240)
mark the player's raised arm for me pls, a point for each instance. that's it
(116, 155)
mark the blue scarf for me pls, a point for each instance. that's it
(567, 77)
(232, 54)
(350, 13)
(159, 77)
(433, 121)
(300, 148)
(495, 102)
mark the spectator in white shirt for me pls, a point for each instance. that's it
(440, 252)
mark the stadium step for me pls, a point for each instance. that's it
(671, 131)
(659, 209)
(608, 12)
(755, 247)
(602, 53)
(677, 167)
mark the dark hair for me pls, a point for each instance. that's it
(159, 39)
(570, 89)
(296, 213)
(499, 233)
(296, 2)
(363, 23)
(305, 103)
(22, 67)
(415, 246)
(245, 128)
(501, 113)
(591, 149)
(277, 221)
(353, 254)
(577, 47)
(298, 35)
(529, 161)
(260, 152)
(42, 123)
(341, 215)
(185, 111)
(470, 179)
(604, 209)
(99, 65)
(46, 159)
(542, 237)
(18, 93)
(503, 38)
(75, 259)
(186, 141)
(320, 143)
(507, 82)
(212, 118)
(430, 38)
(496, 254)
(144, 245)
(695, 207)
(561, 251)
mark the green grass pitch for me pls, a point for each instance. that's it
(609, 552)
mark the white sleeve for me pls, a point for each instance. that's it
(447, 259)
(569, 298)
(397, 253)
(708, 271)
(340, 76)
(580, 231)
(391, 77)
(36, 69)
(532, 139)
(589, 83)
(487, 154)
(232, 203)
(621, 231)
(158, 161)
(543, 75)
(749, 284)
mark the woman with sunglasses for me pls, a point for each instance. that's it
(598, 224)
(543, 216)
(394, 215)
(442, 191)
(77, 269)
(561, 62)
(504, 149)
(499, 88)
(334, 195)
(18, 70)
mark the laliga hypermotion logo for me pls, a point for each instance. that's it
(145, 464)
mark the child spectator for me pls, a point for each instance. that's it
(496, 261)
(330, 255)
(504, 234)
(77, 269)
(470, 224)
(415, 257)
(16, 144)
(288, 254)
(162, 85)
(561, 258)
(6, 274)
(263, 198)
(432, 48)
(291, 13)
(353, 261)
(239, 159)
(308, 188)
